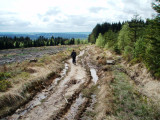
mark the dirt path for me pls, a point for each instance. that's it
(60, 97)
(90, 90)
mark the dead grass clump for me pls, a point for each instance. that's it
(3, 68)
(10, 99)
(102, 61)
(107, 68)
(30, 70)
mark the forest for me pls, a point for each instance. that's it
(137, 40)
(24, 42)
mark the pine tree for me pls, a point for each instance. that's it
(110, 39)
(152, 58)
(136, 28)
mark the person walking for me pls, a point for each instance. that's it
(73, 55)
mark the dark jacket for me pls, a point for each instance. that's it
(73, 54)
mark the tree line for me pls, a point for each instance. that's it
(137, 40)
(23, 42)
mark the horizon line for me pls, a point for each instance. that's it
(45, 32)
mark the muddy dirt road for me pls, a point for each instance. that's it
(90, 90)
(61, 100)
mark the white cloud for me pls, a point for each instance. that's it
(67, 15)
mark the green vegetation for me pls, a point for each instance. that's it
(4, 84)
(21, 42)
(129, 103)
(105, 27)
(137, 40)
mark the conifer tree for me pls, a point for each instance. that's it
(123, 37)
(152, 58)
(100, 41)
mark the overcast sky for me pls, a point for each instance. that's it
(67, 15)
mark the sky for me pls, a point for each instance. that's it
(68, 15)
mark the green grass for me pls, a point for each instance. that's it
(129, 103)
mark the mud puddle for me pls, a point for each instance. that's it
(94, 75)
(93, 72)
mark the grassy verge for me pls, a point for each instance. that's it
(129, 104)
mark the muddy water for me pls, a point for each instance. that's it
(94, 75)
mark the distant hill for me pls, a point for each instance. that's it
(35, 35)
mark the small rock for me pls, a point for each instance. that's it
(111, 62)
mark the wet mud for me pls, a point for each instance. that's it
(63, 98)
